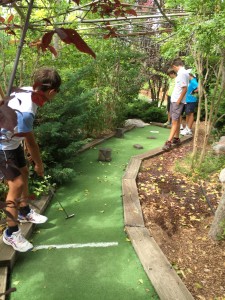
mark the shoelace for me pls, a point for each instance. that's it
(20, 238)
(33, 213)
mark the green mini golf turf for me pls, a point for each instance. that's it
(94, 196)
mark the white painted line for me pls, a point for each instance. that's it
(67, 246)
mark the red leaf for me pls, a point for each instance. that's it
(47, 21)
(117, 5)
(70, 36)
(106, 9)
(2, 19)
(63, 35)
(106, 36)
(77, 2)
(11, 17)
(8, 118)
(94, 9)
(118, 13)
(131, 12)
(53, 51)
(17, 26)
(10, 31)
(35, 43)
(32, 197)
(47, 38)
(112, 33)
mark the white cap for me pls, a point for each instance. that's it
(190, 72)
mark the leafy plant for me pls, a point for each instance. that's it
(148, 112)
(211, 164)
(39, 186)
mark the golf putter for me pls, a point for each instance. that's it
(67, 216)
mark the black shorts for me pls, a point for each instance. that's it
(11, 161)
(190, 107)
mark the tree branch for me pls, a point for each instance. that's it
(162, 12)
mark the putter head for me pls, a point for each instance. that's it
(70, 216)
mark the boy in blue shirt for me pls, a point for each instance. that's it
(12, 159)
(191, 104)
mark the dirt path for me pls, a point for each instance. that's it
(177, 214)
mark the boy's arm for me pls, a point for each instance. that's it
(184, 91)
(34, 151)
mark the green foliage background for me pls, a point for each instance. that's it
(98, 95)
(93, 98)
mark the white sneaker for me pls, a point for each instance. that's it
(183, 131)
(32, 217)
(181, 127)
(17, 241)
(186, 131)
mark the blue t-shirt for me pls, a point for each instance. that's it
(25, 110)
(193, 84)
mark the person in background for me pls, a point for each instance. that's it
(172, 74)
(13, 164)
(191, 104)
(177, 102)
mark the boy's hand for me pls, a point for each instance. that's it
(39, 169)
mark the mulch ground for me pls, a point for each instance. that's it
(179, 212)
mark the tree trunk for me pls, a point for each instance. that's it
(218, 225)
(105, 154)
(153, 96)
(199, 65)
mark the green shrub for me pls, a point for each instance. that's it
(155, 114)
(38, 186)
(3, 191)
(146, 111)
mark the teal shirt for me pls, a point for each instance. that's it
(193, 85)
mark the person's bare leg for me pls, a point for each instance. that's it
(177, 131)
(187, 120)
(12, 235)
(181, 121)
(14, 193)
(25, 192)
(190, 120)
(173, 129)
